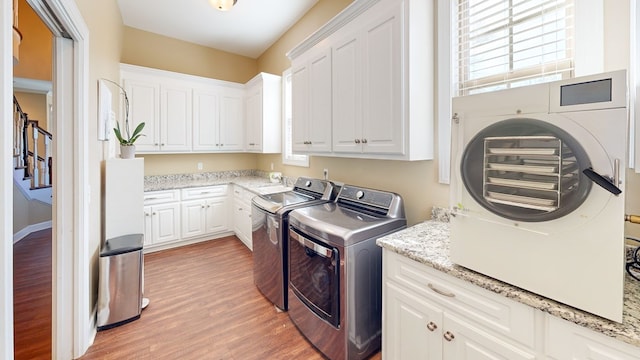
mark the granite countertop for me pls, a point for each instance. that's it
(249, 179)
(428, 243)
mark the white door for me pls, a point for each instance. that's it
(253, 131)
(231, 127)
(383, 122)
(347, 88)
(319, 131)
(216, 218)
(404, 313)
(175, 118)
(205, 120)
(144, 106)
(466, 341)
(300, 107)
(166, 223)
(193, 218)
(148, 226)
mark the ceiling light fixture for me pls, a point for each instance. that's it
(223, 5)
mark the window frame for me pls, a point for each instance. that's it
(288, 157)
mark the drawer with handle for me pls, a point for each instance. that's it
(204, 192)
(482, 306)
(161, 196)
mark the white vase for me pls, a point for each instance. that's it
(127, 151)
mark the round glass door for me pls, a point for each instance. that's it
(526, 170)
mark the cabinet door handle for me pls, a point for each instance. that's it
(208, 206)
(364, 141)
(432, 326)
(441, 292)
(155, 144)
(357, 141)
(448, 336)
(153, 213)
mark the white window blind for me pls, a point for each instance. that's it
(509, 43)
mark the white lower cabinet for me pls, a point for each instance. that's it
(565, 340)
(242, 215)
(205, 215)
(428, 314)
(161, 217)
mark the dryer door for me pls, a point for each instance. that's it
(526, 170)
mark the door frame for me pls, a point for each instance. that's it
(73, 326)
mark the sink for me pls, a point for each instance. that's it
(271, 189)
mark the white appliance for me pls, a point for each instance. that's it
(537, 189)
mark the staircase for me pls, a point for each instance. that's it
(31, 156)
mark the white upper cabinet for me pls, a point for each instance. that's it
(217, 120)
(175, 117)
(184, 113)
(144, 106)
(381, 81)
(311, 101)
(263, 102)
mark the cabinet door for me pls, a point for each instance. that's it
(166, 222)
(300, 107)
(319, 130)
(144, 106)
(569, 341)
(253, 131)
(246, 226)
(148, 226)
(206, 112)
(216, 219)
(175, 118)
(193, 223)
(464, 340)
(347, 113)
(231, 122)
(383, 122)
(412, 327)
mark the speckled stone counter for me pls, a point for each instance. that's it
(249, 179)
(428, 243)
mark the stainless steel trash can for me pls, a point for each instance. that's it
(120, 282)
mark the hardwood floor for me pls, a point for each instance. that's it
(32, 296)
(204, 305)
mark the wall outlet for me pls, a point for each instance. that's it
(325, 174)
(200, 166)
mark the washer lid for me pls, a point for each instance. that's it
(341, 226)
(274, 202)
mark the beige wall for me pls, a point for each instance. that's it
(188, 163)
(160, 52)
(36, 46)
(274, 59)
(28, 212)
(35, 105)
(105, 27)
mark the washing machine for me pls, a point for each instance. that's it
(537, 189)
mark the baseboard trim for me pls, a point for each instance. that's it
(29, 229)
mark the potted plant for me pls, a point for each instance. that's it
(125, 137)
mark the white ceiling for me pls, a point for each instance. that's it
(248, 29)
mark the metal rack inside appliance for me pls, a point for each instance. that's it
(528, 172)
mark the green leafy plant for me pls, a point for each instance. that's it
(124, 136)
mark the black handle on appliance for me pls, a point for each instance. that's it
(602, 181)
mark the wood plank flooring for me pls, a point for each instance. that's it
(204, 305)
(32, 296)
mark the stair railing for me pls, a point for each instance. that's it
(32, 147)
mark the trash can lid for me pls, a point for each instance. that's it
(122, 244)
